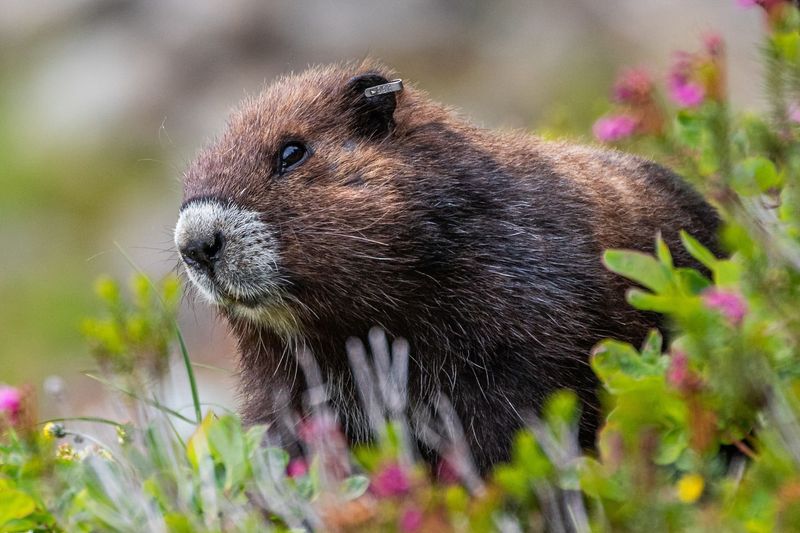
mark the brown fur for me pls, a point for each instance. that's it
(481, 248)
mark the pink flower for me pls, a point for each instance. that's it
(10, 402)
(769, 4)
(296, 468)
(794, 112)
(613, 128)
(318, 427)
(687, 94)
(766, 4)
(682, 89)
(391, 481)
(729, 303)
(411, 520)
(678, 369)
(680, 376)
(632, 86)
(446, 473)
(713, 43)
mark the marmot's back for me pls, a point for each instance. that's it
(322, 212)
(634, 197)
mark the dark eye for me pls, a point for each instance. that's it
(292, 154)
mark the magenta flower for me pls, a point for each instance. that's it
(632, 86)
(296, 468)
(391, 481)
(729, 303)
(794, 112)
(766, 4)
(713, 43)
(411, 520)
(682, 89)
(680, 376)
(318, 427)
(10, 403)
(678, 369)
(688, 94)
(446, 472)
(614, 128)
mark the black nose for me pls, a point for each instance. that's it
(203, 252)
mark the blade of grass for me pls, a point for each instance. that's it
(212, 404)
(209, 367)
(187, 363)
(172, 427)
(96, 419)
(153, 403)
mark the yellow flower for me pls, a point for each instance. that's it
(690, 488)
(66, 452)
(52, 430)
(123, 435)
(104, 453)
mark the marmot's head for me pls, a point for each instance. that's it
(297, 209)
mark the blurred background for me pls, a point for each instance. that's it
(103, 103)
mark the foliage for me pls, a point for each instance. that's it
(701, 433)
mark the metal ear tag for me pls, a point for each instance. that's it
(391, 87)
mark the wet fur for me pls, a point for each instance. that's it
(482, 248)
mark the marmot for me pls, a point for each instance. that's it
(322, 212)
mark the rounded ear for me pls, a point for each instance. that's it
(372, 116)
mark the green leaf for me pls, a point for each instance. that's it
(153, 488)
(692, 281)
(612, 356)
(768, 178)
(639, 267)
(597, 482)
(727, 273)
(197, 445)
(651, 350)
(306, 487)
(698, 251)
(171, 291)
(21, 525)
(561, 408)
(107, 289)
(529, 457)
(646, 402)
(227, 443)
(613, 360)
(456, 498)
(662, 252)
(755, 175)
(254, 436)
(689, 128)
(512, 480)
(709, 160)
(14, 505)
(309, 486)
(646, 301)
(142, 290)
(354, 487)
(277, 460)
(178, 523)
(787, 44)
(673, 443)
